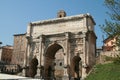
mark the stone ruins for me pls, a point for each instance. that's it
(65, 47)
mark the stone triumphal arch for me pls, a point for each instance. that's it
(64, 46)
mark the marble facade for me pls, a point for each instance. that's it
(65, 46)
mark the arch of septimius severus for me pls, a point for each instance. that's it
(65, 46)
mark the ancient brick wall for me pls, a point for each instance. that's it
(19, 51)
(7, 54)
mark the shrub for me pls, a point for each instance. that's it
(107, 58)
(117, 60)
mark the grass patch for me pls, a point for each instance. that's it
(108, 71)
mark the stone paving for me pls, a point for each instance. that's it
(14, 77)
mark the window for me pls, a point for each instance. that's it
(112, 42)
(54, 64)
(60, 16)
(60, 63)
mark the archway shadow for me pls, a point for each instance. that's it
(49, 61)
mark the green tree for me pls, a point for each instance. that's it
(112, 26)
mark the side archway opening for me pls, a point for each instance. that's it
(75, 67)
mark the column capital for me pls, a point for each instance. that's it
(84, 34)
(29, 39)
(67, 35)
(41, 37)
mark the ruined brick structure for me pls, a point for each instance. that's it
(65, 46)
(6, 55)
(20, 45)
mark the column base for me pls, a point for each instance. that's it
(38, 73)
(65, 78)
(25, 72)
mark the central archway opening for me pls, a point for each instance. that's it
(54, 62)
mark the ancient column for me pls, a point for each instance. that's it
(84, 57)
(66, 56)
(25, 63)
(40, 54)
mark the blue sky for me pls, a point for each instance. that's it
(16, 14)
